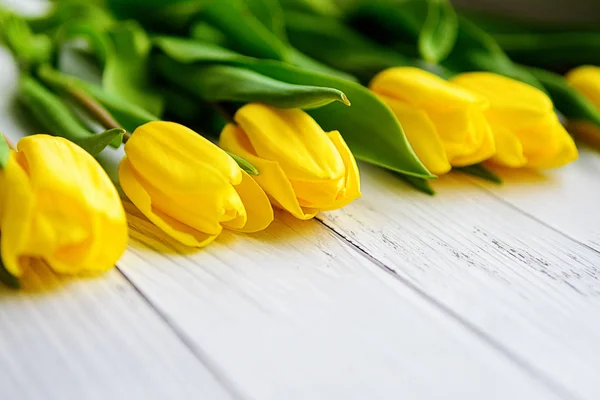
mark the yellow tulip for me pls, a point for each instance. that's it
(443, 122)
(586, 79)
(525, 127)
(59, 206)
(188, 186)
(303, 169)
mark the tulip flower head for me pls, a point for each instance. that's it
(303, 169)
(526, 129)
(189, 187)
(443, 122)
(586, 79)
(58, 205)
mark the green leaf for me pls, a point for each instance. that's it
(299, 59)
(438, 34)
(156, 10)
(188, 51)
(123, 52)
(50, 110)
(480, 171)
(7, 278)
(69, 11)
(216, 83)
(245, 31)
(420, 184)
(330, 41)
(557, 49)
(4, 151)
(96, 143)
(476, 50)
(95, 36)
(566, 98)
(128, 115)
(319, 7)
(28, 48)
(389, 22)
(58, 119)
(245, 165)
(369, 127)
(270, 14)
(205, 32)
(126, 71)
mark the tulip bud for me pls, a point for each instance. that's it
(443, 122)
(586, 80)
(58, 205)
(303, 169)
(526, 129)
(188, 186)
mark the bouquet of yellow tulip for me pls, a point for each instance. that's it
(293, 92)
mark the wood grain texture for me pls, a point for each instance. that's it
(531, 291)
(93, 339)
(88, 339)
(296, 313)
(480, 301)
(568, 199)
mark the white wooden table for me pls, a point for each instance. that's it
(482, 292)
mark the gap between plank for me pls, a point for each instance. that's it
(529, 369)
(533, 217)
(496, 345)
(197, 352)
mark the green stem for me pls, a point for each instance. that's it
(9, 142)
(50, 110)
(69, 86)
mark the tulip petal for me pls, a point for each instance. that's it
(526, 128)
(75, 202)
(220, 204)
(421, 134)
(18, 210)
(422, 89)
(505, 93)
(509, 150)
(547, 144)
(457, 131)
(271, 178)
(257, 204)
(483, 142)
(351, 190)
(293, 139)
(561, 152)
(179, 159)
(586, 79)
(317, 194)
(568, 154)
(140, 197)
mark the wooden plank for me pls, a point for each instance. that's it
(93, 339)
(530, 290)
(296, 313)
(567, 198)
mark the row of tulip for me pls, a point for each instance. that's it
(59, 206)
